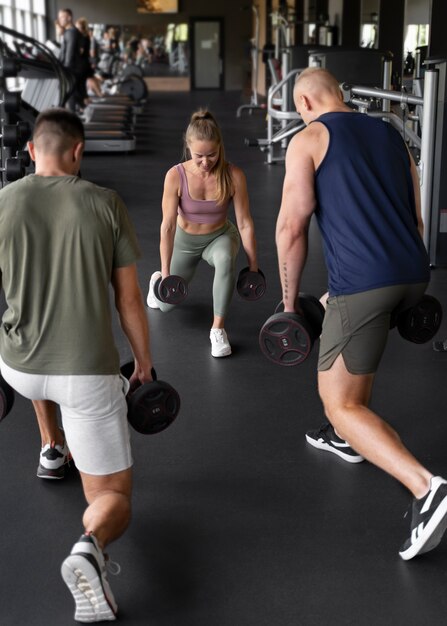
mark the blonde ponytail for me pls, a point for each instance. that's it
(204, 127)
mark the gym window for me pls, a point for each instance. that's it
(25, 16)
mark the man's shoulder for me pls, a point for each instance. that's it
(311, 130)
(307, 139)
(72, 31)
(32, 184)
(16, 187)
(82, 184)
(102, 194)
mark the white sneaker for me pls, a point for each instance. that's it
(84, 573)
(53, 460)
(220, 346)
(151, 300)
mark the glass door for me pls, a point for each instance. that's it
(207, 71)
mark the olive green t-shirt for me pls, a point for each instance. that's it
(61, 237)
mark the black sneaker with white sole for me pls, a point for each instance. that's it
(84, 573)
(428, 521)
(325, 438)
(53, 460)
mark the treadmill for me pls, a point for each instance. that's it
(46, 84)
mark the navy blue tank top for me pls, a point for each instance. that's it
(365, 207)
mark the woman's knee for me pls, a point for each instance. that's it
(224, 264)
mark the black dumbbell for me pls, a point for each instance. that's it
(10, 134)
(11, 101)
(421, 322)
(24, 131)
(287, 338)
(251, 285)
(24, 156)
(151, 407)
(9, 67)
(14, 169)
(14, 135)
(6, 398)
(172, 289)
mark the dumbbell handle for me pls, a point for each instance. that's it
(137, 383)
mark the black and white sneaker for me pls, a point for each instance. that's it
(325, 438)
(53, 460)
(429, 520)
(84, 573)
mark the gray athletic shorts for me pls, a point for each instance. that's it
(357, 326)
(94, 415)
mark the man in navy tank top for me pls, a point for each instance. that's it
(354, 172)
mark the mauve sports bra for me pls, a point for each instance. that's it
(198, 211)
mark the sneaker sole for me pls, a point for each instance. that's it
(151, 300)
(327, 448)
(83, 581)
(152, 305)
(221, 354)
(53, 474)
(431, 535)
(46, 474)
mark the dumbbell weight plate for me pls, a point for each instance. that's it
(422, 322)
(24, 156)
(11, 135)
(127, 369)
(6, 398)
(152, 407)
(312, 309)
(14, 169)
(9, 67)
(24, 130)
(12, 101)
(172, 289)
(251, 285)
(286, 339)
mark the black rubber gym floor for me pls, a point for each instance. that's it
(237, 521)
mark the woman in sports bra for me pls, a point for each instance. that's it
(196, 198)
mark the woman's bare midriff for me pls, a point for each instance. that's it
(194, 228)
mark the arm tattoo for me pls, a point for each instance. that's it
(285, 282)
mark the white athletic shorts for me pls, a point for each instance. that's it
(94, 415)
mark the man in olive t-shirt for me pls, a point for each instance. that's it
(63, 243)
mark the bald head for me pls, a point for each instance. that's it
(316, 91)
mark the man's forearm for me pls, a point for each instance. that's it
(135, 326)
(292, 254)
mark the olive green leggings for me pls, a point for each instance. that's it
(219, 249)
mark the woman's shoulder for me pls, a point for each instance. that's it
(179, 167)
(236, 173)
(172, 177)
(175, 169)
